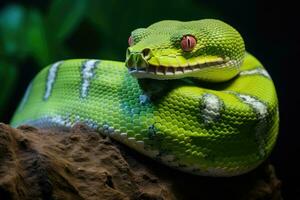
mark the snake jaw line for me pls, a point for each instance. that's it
(169, 71)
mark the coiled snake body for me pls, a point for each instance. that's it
(188, 96)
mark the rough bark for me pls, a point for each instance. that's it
(81, 164)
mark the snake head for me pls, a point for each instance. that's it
(207, 49)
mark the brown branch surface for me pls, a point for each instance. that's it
(81, 164)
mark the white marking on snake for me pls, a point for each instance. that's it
(49, 122)
(212, 106)
(261, 109)
(257, 105)
(144, 99)
(88, 73)
(256, 71)
(92, 124)
(51, 79)
(59, 120)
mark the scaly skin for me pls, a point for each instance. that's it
(193, 124)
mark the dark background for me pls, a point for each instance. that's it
(36, 33)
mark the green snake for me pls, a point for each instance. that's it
(188, 95)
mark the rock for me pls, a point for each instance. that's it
(82, 164)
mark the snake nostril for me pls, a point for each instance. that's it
(146, 53)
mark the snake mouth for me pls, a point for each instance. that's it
(150, 70)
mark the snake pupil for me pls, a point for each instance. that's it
(188, 43)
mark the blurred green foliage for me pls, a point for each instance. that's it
(33, 36)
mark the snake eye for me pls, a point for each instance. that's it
(188, 42)
(130, 41)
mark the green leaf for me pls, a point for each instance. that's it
(64, 16)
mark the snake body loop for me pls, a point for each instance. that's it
(188, 95)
